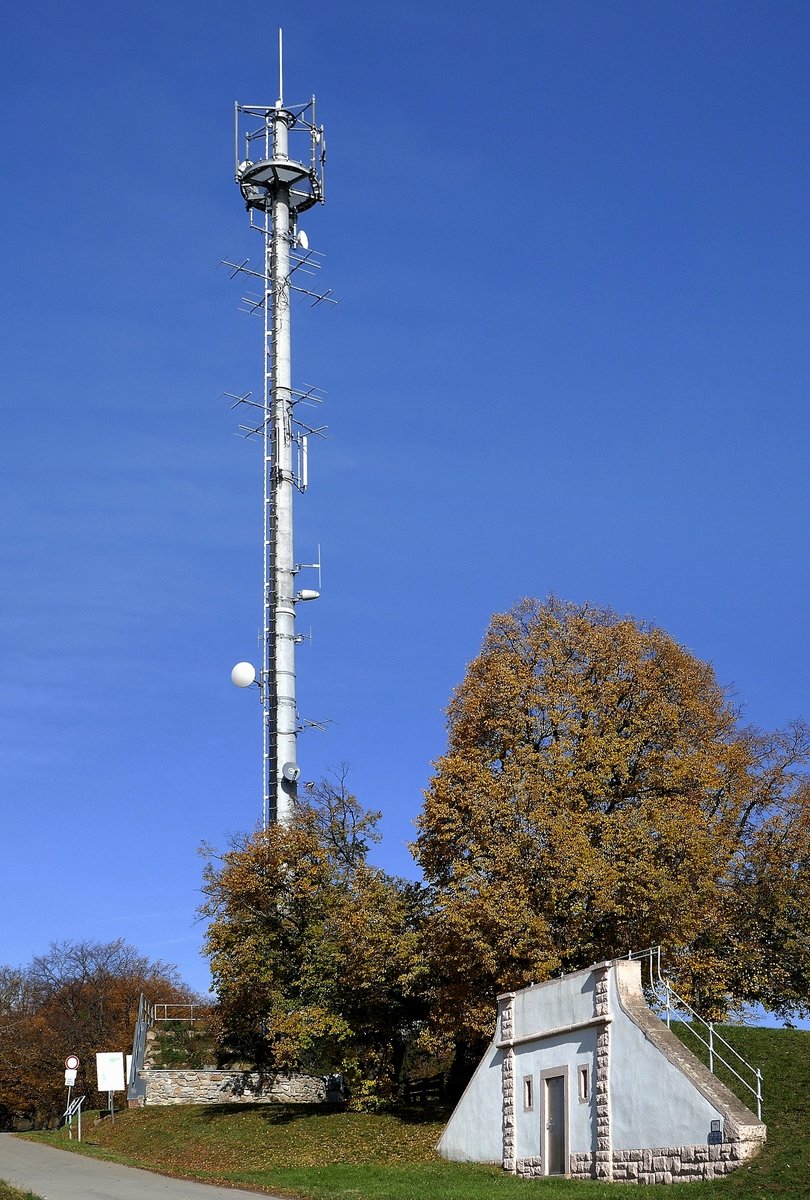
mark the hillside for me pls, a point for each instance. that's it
(328, 1155)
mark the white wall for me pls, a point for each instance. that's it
(652, 1102)
(473, 1133)
(554, 1004)
(568, 1052)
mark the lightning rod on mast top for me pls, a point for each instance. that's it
(276, 188)
(280, 100)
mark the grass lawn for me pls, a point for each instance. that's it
(327, 1155)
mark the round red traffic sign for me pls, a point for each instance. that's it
(71, 1063)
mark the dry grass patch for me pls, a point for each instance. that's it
(225, 1138)
(7, 1192)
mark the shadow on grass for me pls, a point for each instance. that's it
(287, 1114)
(421, 1114)
(273, 1114)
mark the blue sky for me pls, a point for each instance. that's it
(571, 240)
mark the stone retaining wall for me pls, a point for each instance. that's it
(231, 1087)
(665, 1164)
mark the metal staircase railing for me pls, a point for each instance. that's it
(705, 1031)
(136, 1088)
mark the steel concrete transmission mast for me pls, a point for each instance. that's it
(277, 187)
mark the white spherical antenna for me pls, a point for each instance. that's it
(303, 240)
(243, 674)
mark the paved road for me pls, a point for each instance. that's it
(60, 1175)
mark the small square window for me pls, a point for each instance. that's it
(584, 1083)
(528, 1092)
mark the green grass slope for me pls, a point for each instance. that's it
(783, 1055)
(326, 1155)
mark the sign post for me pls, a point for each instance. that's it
(71, 1067)
(110, 1071)
(74, 1109)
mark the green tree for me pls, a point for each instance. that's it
(598, 796)
(315, 954)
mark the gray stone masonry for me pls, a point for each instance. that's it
(601, 1004)
(210, 1086)
(530, 1168)
(508, 1085)
(231, 1087)
(664, 1164)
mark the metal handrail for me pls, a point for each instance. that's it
(160, 1012)
(675, 1003)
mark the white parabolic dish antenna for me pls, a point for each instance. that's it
(243, 674)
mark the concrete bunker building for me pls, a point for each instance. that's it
(583, 1079)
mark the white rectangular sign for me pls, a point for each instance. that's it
(110, 1071)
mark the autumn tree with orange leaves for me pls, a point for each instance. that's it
(81, 997)
(316, 956)
(599, 795)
